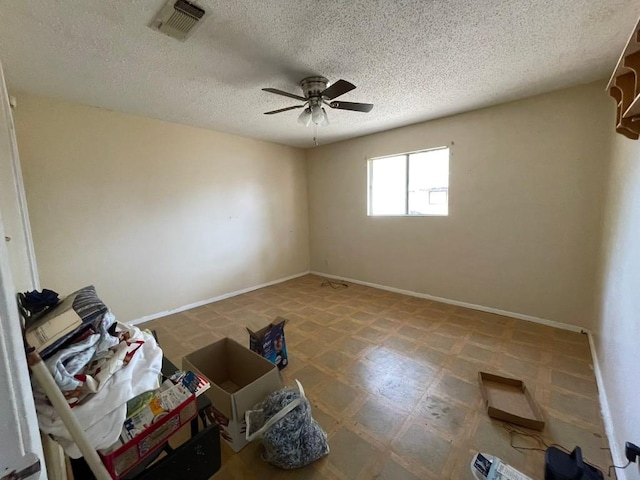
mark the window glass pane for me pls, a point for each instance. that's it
(388, 185)
(429, 182)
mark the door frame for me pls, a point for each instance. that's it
(19, 186)
(20, 438)
(16, 395)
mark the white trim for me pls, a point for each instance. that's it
(422, 150)
(617, 455)
(21, 197)
(482, 308)
(148, 318)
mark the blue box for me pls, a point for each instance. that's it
(270, 342)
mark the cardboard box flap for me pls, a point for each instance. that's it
(247, 397)
(221, 399)
(244, 366)
(260, 333)
(279, 320)
(211, 362)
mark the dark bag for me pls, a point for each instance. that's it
(560, 465)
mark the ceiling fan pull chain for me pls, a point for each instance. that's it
(315, 134)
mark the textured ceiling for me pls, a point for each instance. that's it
(414, 59)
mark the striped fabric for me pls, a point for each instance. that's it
(87, 304)
(90, 309)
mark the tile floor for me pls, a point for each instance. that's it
(393, 379)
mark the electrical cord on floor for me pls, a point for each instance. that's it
(333, 284)
(515, 431)
(618, 467)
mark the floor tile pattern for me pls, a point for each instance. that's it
(393, 379)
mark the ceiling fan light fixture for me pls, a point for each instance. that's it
(305, 117)
(319, 116)
(325, 117)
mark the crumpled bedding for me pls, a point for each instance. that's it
(113, 374)
(69, 365)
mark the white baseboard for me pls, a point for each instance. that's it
(482, 308)
(617, 455)
(148, 318)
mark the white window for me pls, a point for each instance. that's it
(410, 184)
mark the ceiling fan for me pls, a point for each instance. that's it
(318, 93)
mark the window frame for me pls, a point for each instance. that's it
(406, 189)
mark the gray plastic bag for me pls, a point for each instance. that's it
(290, 435)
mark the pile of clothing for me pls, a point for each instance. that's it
(99, 368)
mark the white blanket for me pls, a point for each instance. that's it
(103, 413)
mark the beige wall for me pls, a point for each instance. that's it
(617, 333)
(523, 229)
(157, 215)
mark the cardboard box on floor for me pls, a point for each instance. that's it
(270, 342)
(239, 379)
(508, 399)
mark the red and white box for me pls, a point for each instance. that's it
(124, 458)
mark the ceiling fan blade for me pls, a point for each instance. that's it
(339, 88)
(283, 110)
(356, 107)
(286, 94)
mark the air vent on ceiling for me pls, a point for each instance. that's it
(178, 19)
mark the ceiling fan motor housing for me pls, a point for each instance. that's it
(313, 86)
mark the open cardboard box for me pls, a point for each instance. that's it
(239, 379)
(508, 399)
